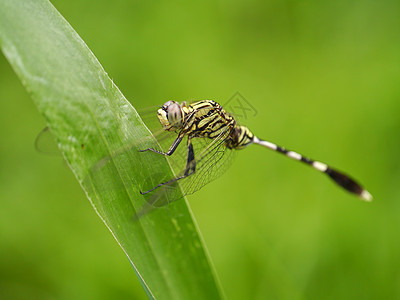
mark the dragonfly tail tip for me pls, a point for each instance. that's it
(366, 196)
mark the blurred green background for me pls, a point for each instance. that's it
(324, 78)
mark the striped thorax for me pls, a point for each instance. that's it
(204, 118)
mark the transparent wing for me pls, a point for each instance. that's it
(46, 144)
(163, 138)
(212, 159)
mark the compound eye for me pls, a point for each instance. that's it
(166, 105)
(174, 113)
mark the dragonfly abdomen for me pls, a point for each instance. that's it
(240, 138)
(338, 177)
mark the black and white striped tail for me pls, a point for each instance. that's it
(341, 179)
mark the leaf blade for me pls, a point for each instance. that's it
(90, 119)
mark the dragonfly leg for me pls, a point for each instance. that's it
(190, 163)
(189, 170)
(170, 150)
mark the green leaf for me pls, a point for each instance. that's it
(90, 119)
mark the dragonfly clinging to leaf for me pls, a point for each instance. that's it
(218, 134)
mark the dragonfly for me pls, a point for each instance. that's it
(217, 134)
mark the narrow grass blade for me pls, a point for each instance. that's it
(91, 119)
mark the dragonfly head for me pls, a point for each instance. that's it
(170, 116)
